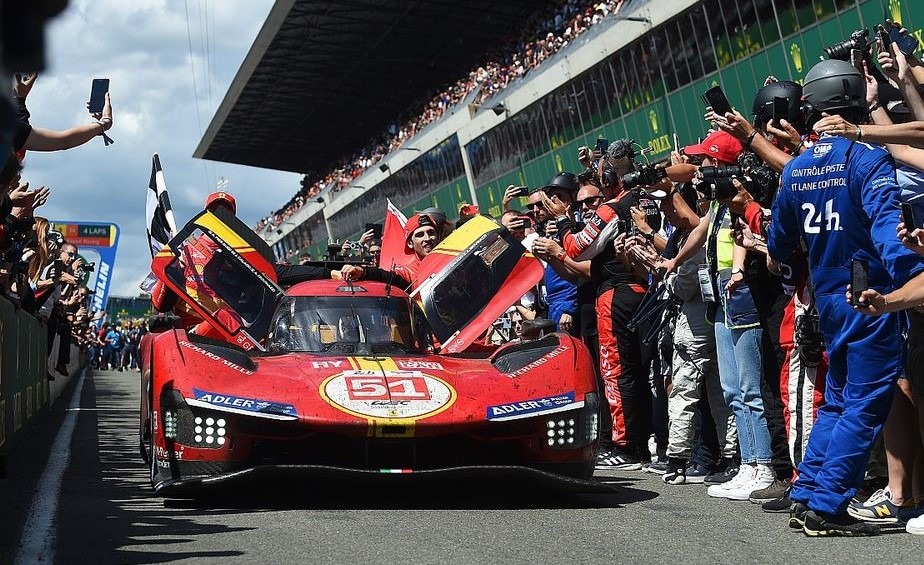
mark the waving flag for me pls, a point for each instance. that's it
(394, 248)
(159, 216)
(158, 212)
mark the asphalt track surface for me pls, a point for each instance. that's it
(107, 514)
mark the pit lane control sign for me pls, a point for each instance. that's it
(406, 395)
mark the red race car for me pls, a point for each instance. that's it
(358, 380)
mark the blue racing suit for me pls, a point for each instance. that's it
(841, 198)
(561, 296)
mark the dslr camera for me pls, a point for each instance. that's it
(716, 182)
(83, 270)
(644, 175)
(752, 172)
(859, 40)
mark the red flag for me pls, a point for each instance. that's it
(394, 241)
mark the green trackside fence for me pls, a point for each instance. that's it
(23, 382)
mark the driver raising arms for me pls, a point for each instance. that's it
(423, 234)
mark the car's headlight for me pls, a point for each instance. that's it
(575, 428)
(211, 431)
(193, 426)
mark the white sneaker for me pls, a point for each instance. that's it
(915, 526)
(762, 478)
(745, 474)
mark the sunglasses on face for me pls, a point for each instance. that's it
(589, 201)
(69, 253)
(535, 206)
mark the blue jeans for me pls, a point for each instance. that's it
(740, 370)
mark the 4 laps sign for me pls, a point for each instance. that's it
(389, 394)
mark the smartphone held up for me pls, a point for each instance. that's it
(716, 99)
(98, 91)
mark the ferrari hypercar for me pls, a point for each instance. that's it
(358, 379)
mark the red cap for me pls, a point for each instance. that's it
(718, 145)
(469, 210)
(416, 222)
(222, 197)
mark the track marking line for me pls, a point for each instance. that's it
(37, 543)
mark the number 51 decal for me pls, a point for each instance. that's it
(378, 387)
(827, 217)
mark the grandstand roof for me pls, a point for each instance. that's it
(322, 78)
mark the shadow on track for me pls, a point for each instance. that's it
(107, 512)
(410, 495)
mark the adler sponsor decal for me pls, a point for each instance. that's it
(533, 407)
(242, 405)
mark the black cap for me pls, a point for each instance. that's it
(562, 181)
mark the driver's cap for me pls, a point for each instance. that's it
(221, 198)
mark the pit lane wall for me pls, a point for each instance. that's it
(24, 388)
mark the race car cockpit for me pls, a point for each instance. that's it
(346, 325)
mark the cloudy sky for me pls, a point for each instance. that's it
(143, 47)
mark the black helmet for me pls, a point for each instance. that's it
(763, 102)
(562, 181)
(833, 85)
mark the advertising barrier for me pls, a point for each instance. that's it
(23, 382)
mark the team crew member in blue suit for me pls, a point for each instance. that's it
(841, 198)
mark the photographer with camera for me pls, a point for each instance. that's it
(818, 205)
(738, 329)
(620, 287)
(776, 135)
(694, 372)
(52, 309)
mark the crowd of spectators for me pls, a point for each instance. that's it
(541, 40)
(755, 305)
(114, 347)
(42, 273)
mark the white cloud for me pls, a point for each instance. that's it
(143, 48)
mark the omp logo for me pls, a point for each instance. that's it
(821, 149)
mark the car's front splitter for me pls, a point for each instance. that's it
(520, 476)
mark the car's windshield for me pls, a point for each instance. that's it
(347, 324)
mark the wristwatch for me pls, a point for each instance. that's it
(737, 270)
